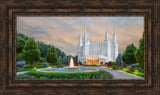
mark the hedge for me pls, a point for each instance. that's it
(101, 74)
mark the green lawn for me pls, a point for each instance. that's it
(29, 69)
(133, 72)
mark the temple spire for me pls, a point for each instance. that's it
(113, 30)
(85, 34)
(85, 28)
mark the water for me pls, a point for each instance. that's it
(68, 70)
(71, 63)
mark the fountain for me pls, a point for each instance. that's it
(71, 65)
(71, 68)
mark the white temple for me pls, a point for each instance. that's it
(97, 53)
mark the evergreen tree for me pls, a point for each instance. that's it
(43, 48)
(60, 59)
(128, 56)
(20, 42)
(119, 60)
(30, 52)
(66, 60)
(52, 56)
(139, 54)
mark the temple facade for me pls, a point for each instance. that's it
(97, 53)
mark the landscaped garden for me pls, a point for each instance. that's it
(32, 56)
(132, 60)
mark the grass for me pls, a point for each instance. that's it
(101, 74)
(134, 72)
(29, 69)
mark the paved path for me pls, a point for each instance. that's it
(123, 75)
(18, 73)
(117, 74)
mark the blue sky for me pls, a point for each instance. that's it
(63, 32)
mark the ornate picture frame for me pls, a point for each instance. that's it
(9, 10)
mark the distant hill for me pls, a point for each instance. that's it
(21, 39)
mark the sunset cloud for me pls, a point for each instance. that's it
(63, 32)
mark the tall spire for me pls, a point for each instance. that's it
(85, 34)
(80, 40)
(80, 30)
(106, 36)
(85, 28)
(114, 39)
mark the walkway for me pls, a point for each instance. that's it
(18, 73)
(117, 74)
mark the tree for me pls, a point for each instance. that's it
(66, 60)
(52, 56)
(139, 54)
(43, 48)
(60, 59)
(20, 42)
(128, 56)
(119, 60)
(30, 52)
(75, 58)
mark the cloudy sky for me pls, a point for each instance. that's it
(63, 32)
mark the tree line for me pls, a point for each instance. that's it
(30, 51)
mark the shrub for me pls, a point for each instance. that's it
(110, 68)
(26, 76)
(28, 66)
(42, 60)
(114, 67)
(114, 63)
(139, 69)
(20, 65)
(19, 57)
(43, 78)
(59, 65)
(38, 63)
(45, 64)
(49, 63)
(131, 69)
(127, 70)
(34, 68)
(79, 75)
